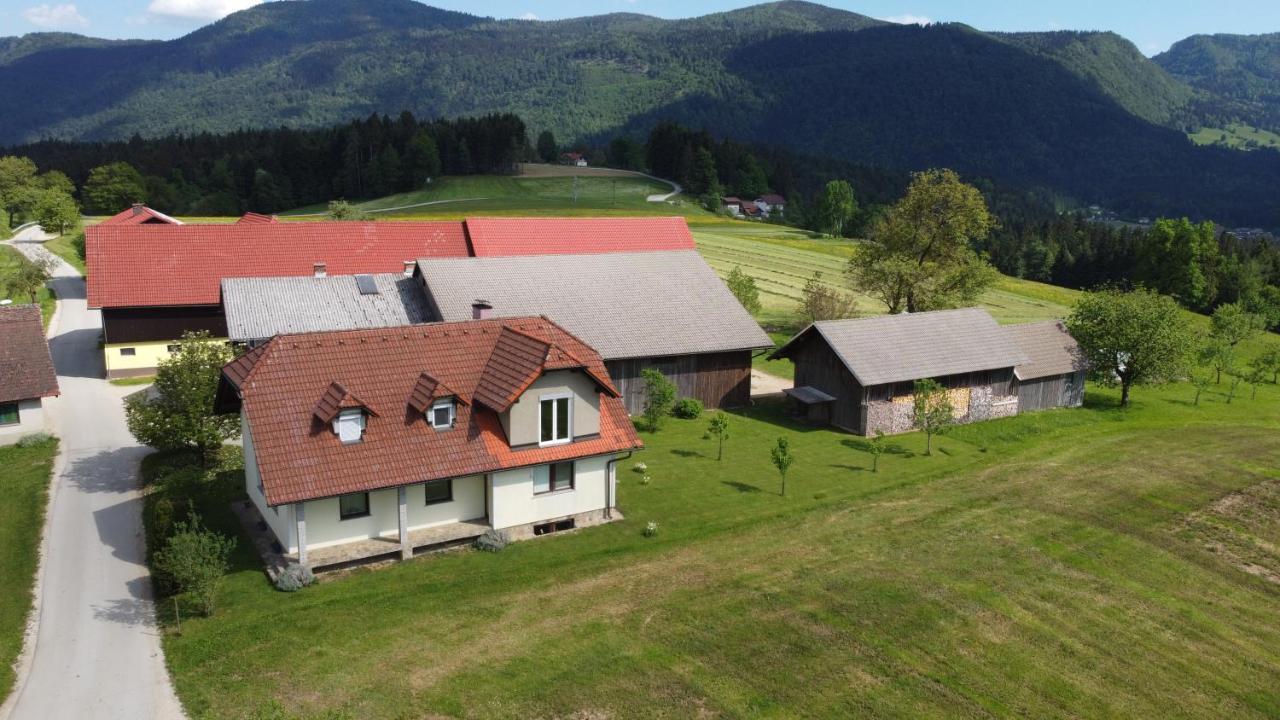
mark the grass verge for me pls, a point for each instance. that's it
(26, 485)
(1040, 565)
(10, 258)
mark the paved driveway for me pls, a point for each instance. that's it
(97, 650)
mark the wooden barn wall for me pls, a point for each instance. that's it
(818, 366)
(719, 380)
(1050, 392)
(148, 324)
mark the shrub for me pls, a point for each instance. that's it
(294, 578)
(645, 480)
(492, 541)
(660, 393)
(195, 561)
(37, 438)
(650, 529)
(688, 408)
(640, 467)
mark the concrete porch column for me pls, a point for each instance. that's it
(406, 547)
(300, 516)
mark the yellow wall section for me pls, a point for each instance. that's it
(144, 361)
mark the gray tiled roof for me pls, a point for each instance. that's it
(1049, 348)
(899, 348)
(259, 308)
(625, 305)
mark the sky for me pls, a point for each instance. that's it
(1152, 25)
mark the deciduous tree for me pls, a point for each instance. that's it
(837, 207)
(547, 148)
(718, 427)
(114, 187)
(195, 559)
(920, 255)
(1129, 338)
(660, 397)
(819, 301)
(30, 276)
(181, 415)
(932, 410)
(782, 459)
(743, 287)
(56, 211)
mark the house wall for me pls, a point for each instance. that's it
(150, 331)
(819, 367)
(513, 502)
(31, 419)
(325, 527)
(976, 396)
(280, 518)
(1065, 390)
(719, 380)
(522, 422)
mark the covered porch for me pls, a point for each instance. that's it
(436, 537)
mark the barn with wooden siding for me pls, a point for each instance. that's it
(665, 310)
(858, 374)
(1053, 375)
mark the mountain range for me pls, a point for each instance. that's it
(1083, 114)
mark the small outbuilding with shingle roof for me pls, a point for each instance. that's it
(867, 368)
(258, 309)
(1053, 375)
(26, 372)
(665, 310)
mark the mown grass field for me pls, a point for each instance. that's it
(458, 197)
(1237, 136)
(10, 259)
(25, 481)
(1075, 563)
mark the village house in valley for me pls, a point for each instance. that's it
(859, 374)
(26, 372)
(373, 442)
(664, 310)
(154, 282)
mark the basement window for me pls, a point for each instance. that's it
(552, 527)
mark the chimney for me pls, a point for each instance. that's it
(480, 310)
(320, 270)
(409, 266)
(137, 208)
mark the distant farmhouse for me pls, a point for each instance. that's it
(26, 372)
(761, 208)
(576, 159)
(140, 214)
(427, 435)
(858, 374)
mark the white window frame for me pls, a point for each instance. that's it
(552, 397)
(344, 414)
(453, 414)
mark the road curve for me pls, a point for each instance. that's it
(94, 648)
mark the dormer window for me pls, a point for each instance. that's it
(349, 425)
(442, 414)
(556, 417)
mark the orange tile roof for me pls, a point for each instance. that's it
(176, 265)
(139, 215)
(298, 456)
(493, 236)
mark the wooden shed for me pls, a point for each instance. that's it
(1053, 375)
(858, 374)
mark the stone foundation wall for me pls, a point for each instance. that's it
(581, 520)
(978, 403)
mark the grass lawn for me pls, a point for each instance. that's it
(517, 195)
(1237, 136)
(26, 488)
(1092, 562)
(9, 260)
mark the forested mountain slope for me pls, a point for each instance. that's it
(1240, 74)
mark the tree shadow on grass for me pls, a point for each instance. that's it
(864, 445)
(687, 453)
(741, 486)
(854, 468)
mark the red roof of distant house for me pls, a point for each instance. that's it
(259, 218)
(282, 383)
(731, 200)
(772, 199)
(140, 214)
(750, 208)
(26, 369)
(175, 265)
(496, 237)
